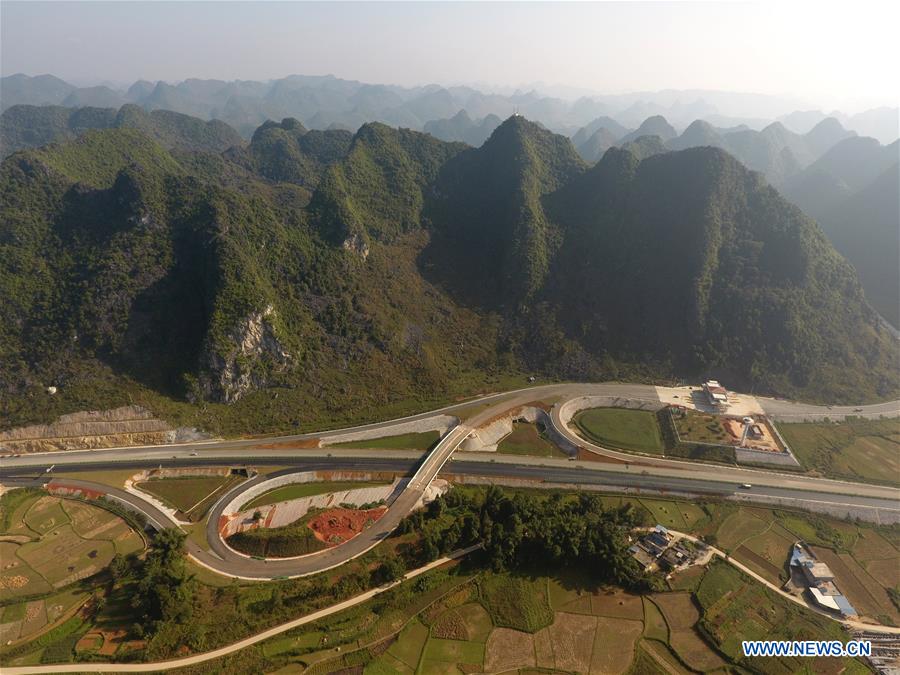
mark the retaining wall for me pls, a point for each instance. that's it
(486, 438)
(287, 512)
(440, 423)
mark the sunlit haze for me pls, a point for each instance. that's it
(821, 55)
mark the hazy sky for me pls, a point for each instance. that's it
(830, 54)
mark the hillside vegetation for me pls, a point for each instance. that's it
(314, 275)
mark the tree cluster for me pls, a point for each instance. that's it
(525, 532)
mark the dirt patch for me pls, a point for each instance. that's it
(335, 526)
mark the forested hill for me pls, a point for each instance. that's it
(315, 273)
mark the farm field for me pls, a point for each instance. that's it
(58, 542)
(864, 593)
(735, 608)
(681, 516)
(856, 449)
(423, 441)
(190, 496)
(472, 620)
(636, 430)
(526, 440)
(590, 631)
(297, 490)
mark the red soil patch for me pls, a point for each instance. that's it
(335, 526)
(64, 490)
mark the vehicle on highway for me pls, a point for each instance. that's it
(746, 486)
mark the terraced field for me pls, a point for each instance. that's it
(50, 544)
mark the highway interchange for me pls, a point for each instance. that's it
(620, 471)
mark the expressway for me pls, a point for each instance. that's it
(627, 472)
(586, 475)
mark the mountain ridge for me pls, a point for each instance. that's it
(414, 266)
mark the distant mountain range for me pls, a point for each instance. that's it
(774, 151)
(853, 191)
(322, 102)
(312, 271)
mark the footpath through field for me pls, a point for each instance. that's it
(237, 646)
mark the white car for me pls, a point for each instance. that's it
(746, 486)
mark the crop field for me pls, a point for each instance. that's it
(515, 602)
(424, 441)
(635, 430)
(526, 440)
(687, 580)
(408, 648)
(879, 558)
(738, 527)
(191, 496)
(678, 609)
(863, 592)
(768, 553)
(655, 626)
(736, 608)
(677, 515)
(655, 657)
(694, 651)
(58, 542)
(572, 637)
(298, 490)
(857, 449)
(590, 630)
(507, 649)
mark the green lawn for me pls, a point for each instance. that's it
(297, 490)
(621, 428)
(525, 440)
(423, 441)
(183, 493)
(867, 450)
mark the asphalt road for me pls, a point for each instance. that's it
(224, 560)
(655, 474)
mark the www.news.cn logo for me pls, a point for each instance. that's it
(806, 648)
